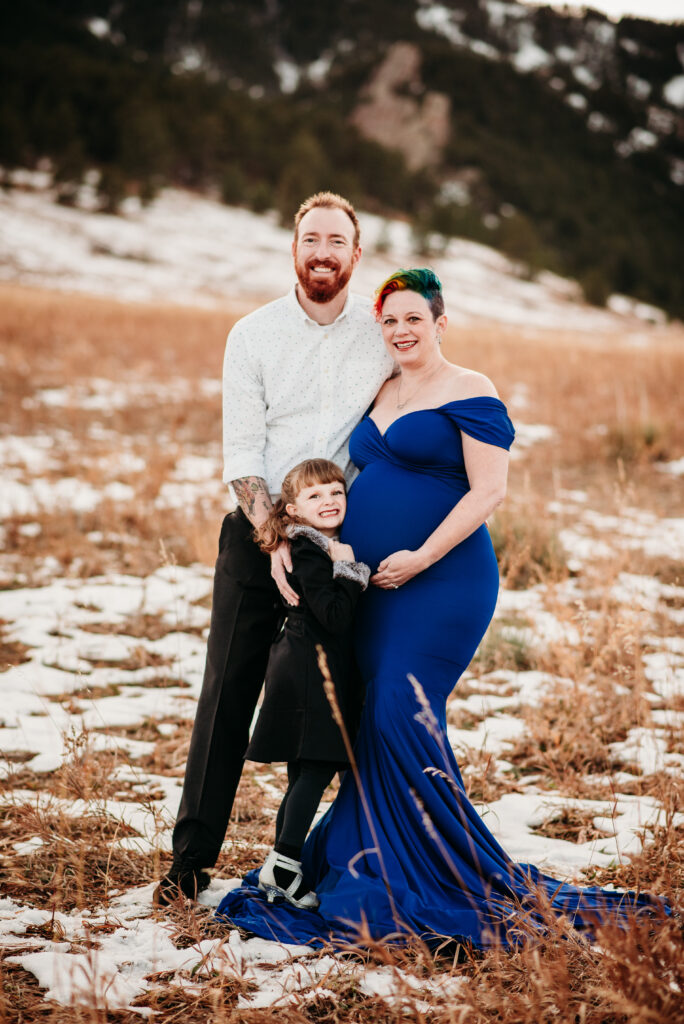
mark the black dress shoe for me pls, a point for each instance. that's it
(180, 880)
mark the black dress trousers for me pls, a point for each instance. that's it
(245, 613)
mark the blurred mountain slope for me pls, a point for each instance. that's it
(557, 138)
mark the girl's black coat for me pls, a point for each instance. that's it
(295, 720)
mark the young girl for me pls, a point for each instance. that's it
(295, 723)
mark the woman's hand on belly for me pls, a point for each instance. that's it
(398, 568)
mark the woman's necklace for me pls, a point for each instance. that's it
(400, 405)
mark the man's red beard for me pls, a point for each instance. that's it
(326, 290)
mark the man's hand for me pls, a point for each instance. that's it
(280, 563)
(340, 552)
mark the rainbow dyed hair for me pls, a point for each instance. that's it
(419, 279)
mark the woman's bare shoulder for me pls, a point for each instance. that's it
(464, 383)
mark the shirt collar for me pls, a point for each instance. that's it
(294, 302)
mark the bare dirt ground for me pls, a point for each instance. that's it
(568, 724)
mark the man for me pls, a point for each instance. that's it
(298, 375)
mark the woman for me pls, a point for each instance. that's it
(409, 854)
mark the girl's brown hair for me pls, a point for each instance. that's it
(273, 531)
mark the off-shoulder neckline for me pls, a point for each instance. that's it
(432, 408)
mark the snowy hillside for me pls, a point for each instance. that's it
(188, 249)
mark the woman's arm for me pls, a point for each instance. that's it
(487, 468)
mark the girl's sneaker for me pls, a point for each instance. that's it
(281, 877)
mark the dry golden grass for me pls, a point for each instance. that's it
(77, 866)
(613, 407)
(12, 652)
(67, 337)
(636, 977)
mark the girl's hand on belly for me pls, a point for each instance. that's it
(398, 568)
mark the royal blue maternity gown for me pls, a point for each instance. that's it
(414, 856)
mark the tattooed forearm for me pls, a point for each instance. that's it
(253, 498)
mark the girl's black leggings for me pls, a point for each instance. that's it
(307, 783)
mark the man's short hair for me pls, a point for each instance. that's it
(330, 201)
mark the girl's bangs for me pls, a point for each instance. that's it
(317, 471)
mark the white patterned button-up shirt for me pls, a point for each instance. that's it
(294, 389)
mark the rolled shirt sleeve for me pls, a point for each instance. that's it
(244, 410)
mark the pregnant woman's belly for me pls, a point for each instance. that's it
(391, 508)
(430, 626)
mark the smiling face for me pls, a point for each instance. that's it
(408, 328)
(324, 253)
(321, 505)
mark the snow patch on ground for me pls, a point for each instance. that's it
(595, 535)
(676, 467)
(673, 91)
